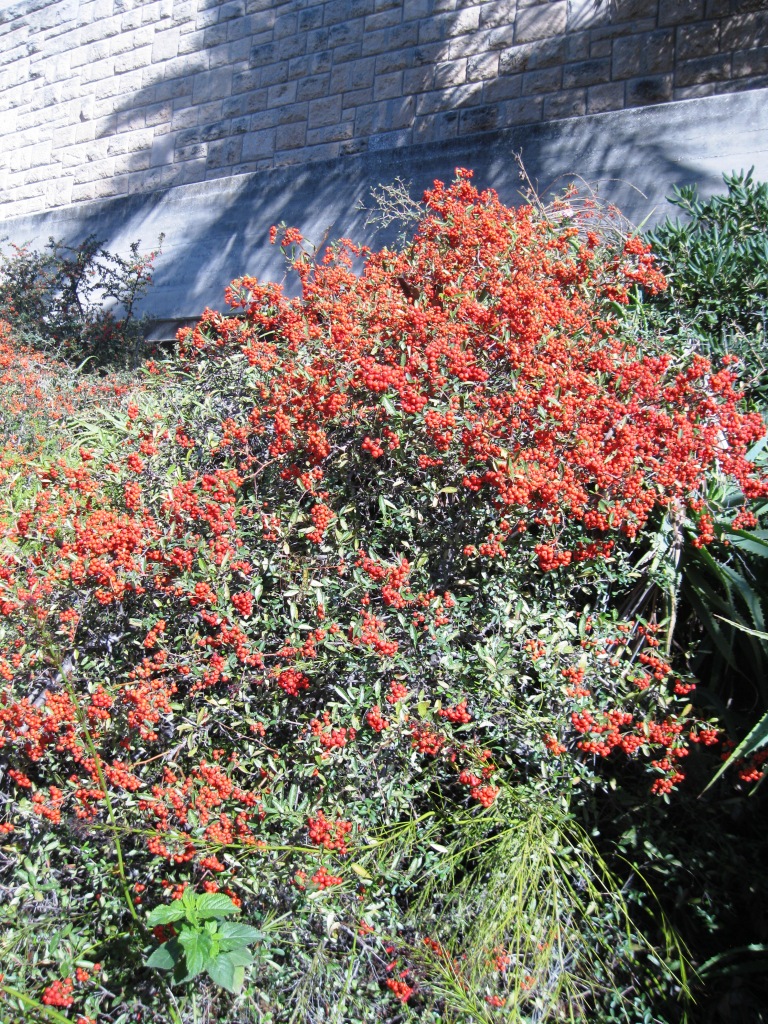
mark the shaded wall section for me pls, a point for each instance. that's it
(217, 230)
(102, 98)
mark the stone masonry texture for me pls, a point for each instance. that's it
(110, 98)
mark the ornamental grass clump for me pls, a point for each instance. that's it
(355, 611)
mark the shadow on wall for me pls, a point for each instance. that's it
(217, 229)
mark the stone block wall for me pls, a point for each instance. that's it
(107, 98)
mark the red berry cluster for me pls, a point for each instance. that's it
(330, 834)
(323, 879)
(457, 714)
(59, 993)
(376, 720)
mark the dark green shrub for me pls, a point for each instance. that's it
(78, 302)
(716, 265)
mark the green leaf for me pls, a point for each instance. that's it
(215, 904)
(702, 598)
(165, 914)
(747, 593)
(741, 954)
(754, 541)
(238, 934)
(197, 951)
(226, 973)
(240, 955)
(752, 632)
(163, 958)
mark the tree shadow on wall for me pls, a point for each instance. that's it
(217, 223)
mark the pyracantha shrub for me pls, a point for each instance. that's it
(348, 590)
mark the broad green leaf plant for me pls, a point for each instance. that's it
(204, 940)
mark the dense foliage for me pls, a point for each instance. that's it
(358, 611)
(716, 264)
(78, 303)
